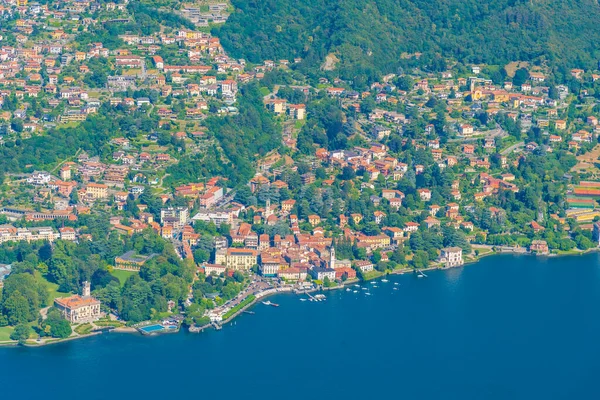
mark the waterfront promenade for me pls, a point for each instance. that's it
(454, 335)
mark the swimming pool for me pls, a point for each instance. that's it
(152, 328)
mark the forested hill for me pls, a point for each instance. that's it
(369, 36)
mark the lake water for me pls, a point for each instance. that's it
(506, 328)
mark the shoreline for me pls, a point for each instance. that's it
(272, 292)
(33, 343)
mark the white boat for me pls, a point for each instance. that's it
(267, 303)
(420, 276)
(320, 297)
(355, 291)
(364, 288)
(384, 280)
(356, 285)
(395, 288)
(348, 289)
(372, 283)
(396, 283)
(375, 286)
(302, 299)
(368, 294)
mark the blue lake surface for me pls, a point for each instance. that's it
(506, 328)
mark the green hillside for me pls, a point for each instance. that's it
(370, 36)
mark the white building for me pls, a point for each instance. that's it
(78, 309)
(322, 273)
(451, 257)
(176, 215)
(217, 217)
(39, 178)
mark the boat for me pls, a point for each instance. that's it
(302, 299)
(357, 285)
(396, 283)
(368, 294)
(364, 288)
(420, 276)
(384, 280)
(395, 288)
(267, 303)
(356, 291)
(320, 297)
(348, 289)
(375, 286)
(372, 283)
(274, 305)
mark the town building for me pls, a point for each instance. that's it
(79, 309)
(320, 274)
(539, 247)
(451, 257)
(131, 261)
(236, 259)
(175, 216)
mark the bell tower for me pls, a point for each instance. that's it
(332, 258)
(86, 292)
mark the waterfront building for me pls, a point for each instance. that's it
(349, 273)
(451, 257)
(365, 266)
(322, 273)
(293, 274)
(539, 247)
(79, 309)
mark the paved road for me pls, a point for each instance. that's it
(510, 149)
(253, 288)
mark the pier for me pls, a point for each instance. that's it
(310, 296)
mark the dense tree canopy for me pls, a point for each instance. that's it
(369, 37)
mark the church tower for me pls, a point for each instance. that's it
(332, 258)
(86, 292)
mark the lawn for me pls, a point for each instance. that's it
(53, 291)
(122, 276)
(84, 329)
(237, 308)
(105, 322)
(265, 91)
(5, 333)
(367, 276)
